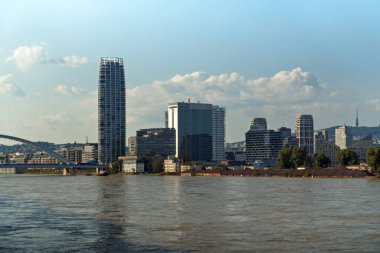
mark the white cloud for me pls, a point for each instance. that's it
(26, 56)
(74, 61)
(7, 86)
(59, 119)
(374, 104)
(67, 90)
(244, 98)
(232, 90)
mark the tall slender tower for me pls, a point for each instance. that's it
(218, 133)
(305, 132)
(111, 110)
(357, 118)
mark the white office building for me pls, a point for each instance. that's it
(343, 137)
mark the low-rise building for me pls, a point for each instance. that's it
(73, 154)
(172, 165)
(132, 164)
(42, 158)
(90, 153)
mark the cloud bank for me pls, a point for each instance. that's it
(69, 90)
(25, 56)
(233, 91)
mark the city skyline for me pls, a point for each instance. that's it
(316, 58)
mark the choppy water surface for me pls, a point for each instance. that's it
(188, 214)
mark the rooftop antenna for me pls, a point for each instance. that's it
(86, 139)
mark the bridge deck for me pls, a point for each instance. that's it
(52, 166)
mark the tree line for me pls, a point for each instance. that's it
(295, 157)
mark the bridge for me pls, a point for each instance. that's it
(65, 163)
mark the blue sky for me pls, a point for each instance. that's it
(270, 59)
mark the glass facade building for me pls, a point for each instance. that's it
(155, 141)
(264, 145)
(193, 125)
(111, 110)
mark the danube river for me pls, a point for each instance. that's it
(188, 214)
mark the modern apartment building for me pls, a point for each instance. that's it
(111, 110)
(305, 132)
(218, 133)
(259, 124)
(264, 145)
(323, 145)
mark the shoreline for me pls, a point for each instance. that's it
(290, 173)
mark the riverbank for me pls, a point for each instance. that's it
(315, 173)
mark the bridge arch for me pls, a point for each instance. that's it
(38, 146)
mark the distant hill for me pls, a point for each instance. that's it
(235, 146)
(357, 132)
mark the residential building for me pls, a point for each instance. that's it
(154, 141)
(305, 132)
(343, 137)
(111, 110)
(172, 165)
(42, 158)
(360, 147)
(132, 145)
(73, 154)
(262, 145)
(324, 146)
(287, 137)
(218, 133)
(258, 124)
(90, 153)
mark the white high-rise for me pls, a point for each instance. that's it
(218, 133)
(305, 132)
(343, 137)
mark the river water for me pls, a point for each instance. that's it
(188, 214)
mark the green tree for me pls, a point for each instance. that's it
(284, 158)
(291, 157)
(298, 156)
(320, 160)
(115, 167)
(347, 157)
(157, 165)
(373, 158)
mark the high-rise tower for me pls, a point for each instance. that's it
(259, 124)
(218, 133)
(111, 110)
(193, 125)
(343, 137)
(305, 132)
